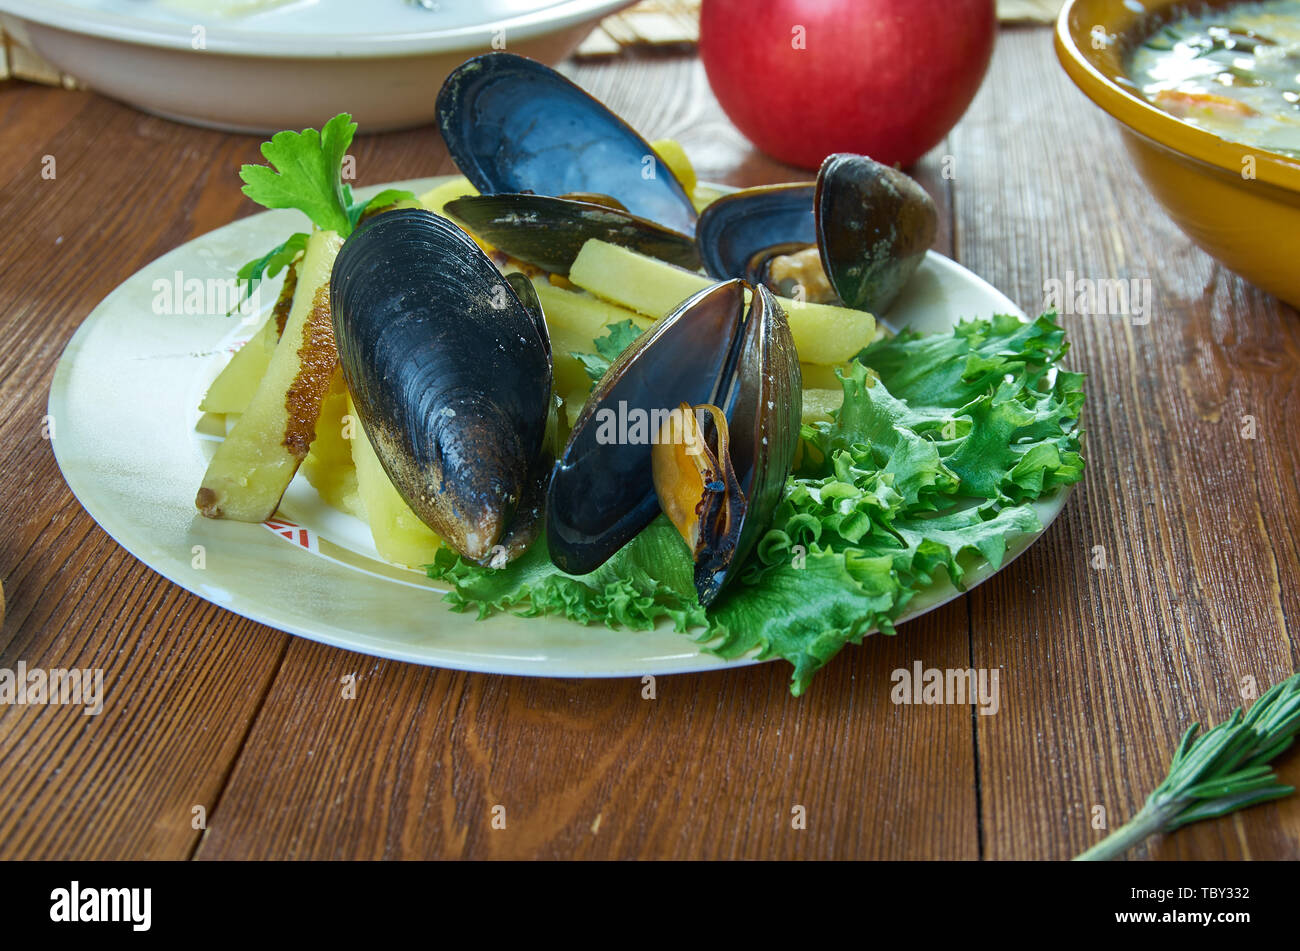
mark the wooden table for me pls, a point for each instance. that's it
(1101, 669)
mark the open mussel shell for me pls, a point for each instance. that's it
(602, 491)
(870, 223)
(527, 294)
(706, 353)
(514, 125)
(737, 233)
(764, 409)
(450, 372)
(549, 232)
(875, 225)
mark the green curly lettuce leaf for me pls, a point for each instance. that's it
(927, 470)
(981, 397)
(648, 579)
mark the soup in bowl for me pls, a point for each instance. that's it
(1207, 97)
(1234, 72)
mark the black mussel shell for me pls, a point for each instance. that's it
(738, 232)
(549, 232)
(515, 125)
(602, 491)
(875, 225)
(765, 409)
(871, 224)
(708, 351)
(527, 294)
(449, 370)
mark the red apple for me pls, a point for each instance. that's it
(884, 78)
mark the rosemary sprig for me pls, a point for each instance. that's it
(1222, 770)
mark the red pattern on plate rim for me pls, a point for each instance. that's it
(302, 537)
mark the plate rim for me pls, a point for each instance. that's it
(323, 631)
(227, 41)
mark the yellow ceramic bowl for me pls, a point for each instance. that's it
(1241, 204)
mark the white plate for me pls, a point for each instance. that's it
(124, 410)
(291, 64)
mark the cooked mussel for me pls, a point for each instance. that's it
(519, 130)
(699, 418)
(739, 234)
(515, 125)
(855, 237)
(549, 232)
(449, 367)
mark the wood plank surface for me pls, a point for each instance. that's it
(1105, 668)
(1101, 669)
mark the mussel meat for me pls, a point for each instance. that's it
(449, 366)
(699, 418)
(870, 226)
(521, 132)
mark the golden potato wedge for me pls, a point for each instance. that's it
(400, 536)
(822, 334)
(674, 156)
(234, 386)
(575, 319)
(436, 198)
(251, 469)
(329, 466)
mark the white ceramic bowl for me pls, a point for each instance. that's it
(294, 64)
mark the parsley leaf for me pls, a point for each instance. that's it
(609, 347)
(389, 196)
(268, 265)
(271, 263)
(306, 174)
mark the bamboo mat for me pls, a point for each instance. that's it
(19, 62)
(651, 23)
(669, 23)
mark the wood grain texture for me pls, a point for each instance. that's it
(182, 679)
(1105, 668)
(1101, 669)
(713, 766)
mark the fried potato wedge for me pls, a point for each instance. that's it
(251, 469)
(328, 466)
(436, 198)
(234, 386)
(575, 319)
